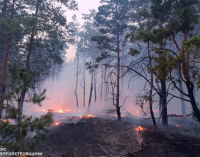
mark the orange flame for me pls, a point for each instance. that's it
(86, 116)
(139, 128)
(57, 124)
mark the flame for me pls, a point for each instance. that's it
(5, 120)
(86, 116)
(56, 111)
(75, 123)
(57, 124)
(60, 111)
(139, 128)
(178, 125)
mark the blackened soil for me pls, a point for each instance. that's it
(98, 137)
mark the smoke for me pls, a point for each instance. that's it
(60, 94)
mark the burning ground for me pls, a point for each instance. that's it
(91, 136)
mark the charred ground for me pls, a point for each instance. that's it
(95, 137)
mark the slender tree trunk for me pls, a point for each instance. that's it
(95, 82)
(77, 73)
(181, 95)
(151, 89)
(105, 88)
(122, 79)
(84, 82)
(5, 63)
(118, 79)
(163, 96)
(102, 85)
(30, 48)
(190, 88)
(95, 92)
(3, 14)
(75, 92)
(91, 89)
(164, 103)
(160, 100)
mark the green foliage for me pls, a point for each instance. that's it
(133, 52)
(91, 67)
(17, 136)
(112, 20)
(102, 57)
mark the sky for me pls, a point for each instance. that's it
(83, 7)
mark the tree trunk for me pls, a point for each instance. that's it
(77, 72)
(105, 89)
(122, 79)
(164, 103)
(160, 100)
(151, 90)
(101, 86)
(75, 92)
(118, 79)
(23, 92)
(190, 88)
(181, 95)
(95, 82)
(84, 82)
(163, 96)
(5, 63)
(91, 89)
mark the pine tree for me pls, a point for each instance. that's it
(181, 17)
(112, 18)
(15, 136)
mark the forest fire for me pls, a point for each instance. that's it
(139, 128)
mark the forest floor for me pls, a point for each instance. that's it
(104, 137)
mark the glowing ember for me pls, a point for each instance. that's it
(178, 125)
(57, 124)
(75, 123)
(4, 120)
(87, 116)
(139, 128)
(60, 111)
(56, 111)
